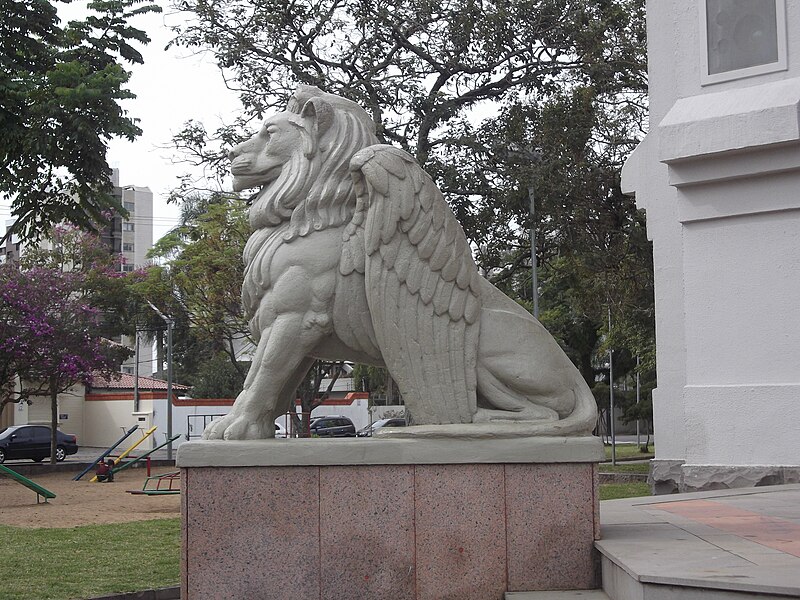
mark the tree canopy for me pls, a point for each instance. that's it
(499, 101)
(61, 93)
(197, 281)
(49, 337)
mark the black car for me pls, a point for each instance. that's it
(33, 441)
(334, 426)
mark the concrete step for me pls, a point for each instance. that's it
(558, 595)
(621, 585)
(717, 545)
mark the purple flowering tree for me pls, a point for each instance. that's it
(49, 337)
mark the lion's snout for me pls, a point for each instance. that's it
(240, 165)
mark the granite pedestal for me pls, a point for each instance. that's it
(388, 519)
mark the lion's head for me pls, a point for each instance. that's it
(300, 159)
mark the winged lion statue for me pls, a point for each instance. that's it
(355, 255)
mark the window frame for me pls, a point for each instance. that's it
(782, 63)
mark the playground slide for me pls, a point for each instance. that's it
(40, 491)
(146, 435)
(146, 454)
(106, 453)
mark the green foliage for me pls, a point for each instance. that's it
(217, 377)
(367, 378)
(591, 245)
(61, 88)
(198, 284)
(89, 561)
(376, 380)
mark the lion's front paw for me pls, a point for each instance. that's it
(238, 427)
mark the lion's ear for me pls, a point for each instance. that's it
(321, 114)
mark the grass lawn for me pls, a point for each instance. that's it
(629, 451)
(612, 491)
(631, 467)
(93, 560)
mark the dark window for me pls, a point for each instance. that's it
(41, 434)
(23, 434)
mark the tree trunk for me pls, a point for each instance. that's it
(53, 420)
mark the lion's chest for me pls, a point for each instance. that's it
(304, 275)
(304, 267)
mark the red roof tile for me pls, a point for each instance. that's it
(126, 382)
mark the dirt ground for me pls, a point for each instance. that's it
(82, 502)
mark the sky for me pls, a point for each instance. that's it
(172, 86)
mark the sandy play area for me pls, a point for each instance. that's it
(82, 502)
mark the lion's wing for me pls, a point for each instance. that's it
(422, 283)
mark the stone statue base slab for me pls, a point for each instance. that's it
(424, 520)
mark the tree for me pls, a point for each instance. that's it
(591, 245)
(61, 89)
(101, 282)
(198, 283)
(420, 68)
(495, 100)
(48, 339)
(310, 393)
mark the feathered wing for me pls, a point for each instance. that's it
(421, 282)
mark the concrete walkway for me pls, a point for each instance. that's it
(709, 545)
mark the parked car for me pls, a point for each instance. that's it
(332, 426)
(370, 429)
(33, 441)
(280, 431)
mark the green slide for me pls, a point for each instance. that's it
(40, 491)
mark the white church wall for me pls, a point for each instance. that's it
(719, 177)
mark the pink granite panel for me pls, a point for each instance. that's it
(596, 502)
(367, 532)
(460, 532)
(184, 532)
(252, 533)
(550, 514)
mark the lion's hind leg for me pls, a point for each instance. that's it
(508, 405)
(521, 369)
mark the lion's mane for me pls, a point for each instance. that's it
(314, 190)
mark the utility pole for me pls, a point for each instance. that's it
(136, 373)
(534, 269)
(169, 323)
(638, 393)
(611, 394)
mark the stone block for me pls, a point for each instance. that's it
(468, 530)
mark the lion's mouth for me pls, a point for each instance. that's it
(247, 175)
(244, 180)
(240, 166)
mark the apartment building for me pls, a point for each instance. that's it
(131, 237)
